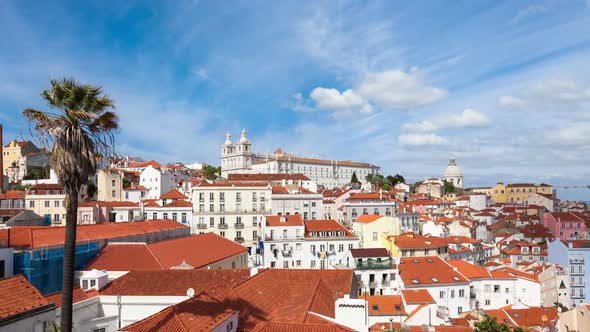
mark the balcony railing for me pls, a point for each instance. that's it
(576, 260)
(287, 253)
(202, 226)
(374, 264)
(232, 212)
(239, 239)
(239, 226)
(280, 238)
(222, 226)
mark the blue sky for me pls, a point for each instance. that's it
(504, 86)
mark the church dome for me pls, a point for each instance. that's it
(452, 170)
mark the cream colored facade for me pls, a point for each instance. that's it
(48, 201)
(110, 186)
(13, 151)
(234, 211)
(370, 233)
(518, 192)
(575, 320)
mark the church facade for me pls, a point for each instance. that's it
(239, 158)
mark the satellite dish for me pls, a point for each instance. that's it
(190, 292)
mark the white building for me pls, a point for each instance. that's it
(231, 210)
(239, 158)
(158, 181)
(285, 201)
(290, 242)
(453, 174)
(376, 271)
(23, 306)
(377, 203)
(573, 255)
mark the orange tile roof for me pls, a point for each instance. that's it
(323, 161)
(199, 313)
(518, 273)
(197, 251)
(528, 317)
(386, 305)
(453, 329)
(287, 220)
(367, 218)
(13, 194)
(179, 203)
(176, 282)
(239, 185)
(279, 190)
(79, 296)
(369, 252)
(380, 327)
(417, 241)
(417, 296)
(325, 226)
(369, 196)
(17, 296)
(48, 236)
(428, 271)
(151, 204)
(471, 271)
(173, 194)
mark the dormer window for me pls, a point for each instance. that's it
(414, 281)
(313, 234)
(341, 233)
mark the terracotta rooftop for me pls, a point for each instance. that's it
(471, 271)
(79, 295)
(13, 194)
(416, 241)
(26, 237)
(386, 305)
(173, 194)
(318, 226)
(18, 296)
(179, 203)
(282, 221)
(417, 296)
(199, 313)
(108, 204)
(528, 317)
(367, 218)
(176, 282)
(197, 251)
(416, 271)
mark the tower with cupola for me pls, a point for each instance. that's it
(236, 158)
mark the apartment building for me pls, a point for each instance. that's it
(297, 200)
(110, 185)
(376, 203)
(291, 242)
(376, 271)
(231, 210)
(415, 245)
(573, 255)
(48, 201)
(370, 228)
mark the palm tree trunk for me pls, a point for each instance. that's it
(69, 256)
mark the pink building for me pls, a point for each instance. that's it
(566, 225)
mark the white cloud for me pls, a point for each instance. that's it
(531, 10)
(511, 103)
(549, 95)
(421, 139)
(574, 134)
(332, 99)
(469, 118)
(395, 89)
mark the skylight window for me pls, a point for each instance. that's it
(414, 281)
(456, 278)
(434, 280)
(415, 261)
(375, 307)
(429, 260)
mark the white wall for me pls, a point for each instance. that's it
(7, 255)
(34, 323)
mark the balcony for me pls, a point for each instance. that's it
(287, 253)
(576, 260)
(222, 226)
(201, 226)
(239, 239)
(372, 264)
(239, 226)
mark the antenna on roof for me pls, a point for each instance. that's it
(190, 292)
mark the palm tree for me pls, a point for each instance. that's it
(78, 128)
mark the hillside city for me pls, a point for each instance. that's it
(282, 242)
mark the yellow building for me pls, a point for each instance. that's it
(370, 229)
(48, 201)
(110, 186)
(14, 150)
(518, 192)
(415, 245)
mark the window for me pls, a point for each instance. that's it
(113, 193)
(201, 207)
(461, 293)
(222, 220)
(222, 197)
(56, 204)
(222, 233)
(102, 329)
(313, 264)
(441, 295)
(174, 216)
(183, 217)
(211, 221)
(452, 294)
(31, 204)
(211, 208)
(201, 197)
(165, 216)
(113, 183)
(46, 204)
(488, 302)
(374, 236)
(56, 218)
(154, 215)
(211, 197)
(340, 248)
(459, 310)
(496, 288)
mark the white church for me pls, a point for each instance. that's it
(453, 174)
(239, 158)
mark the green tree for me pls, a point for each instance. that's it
(91, 188)
(211, 172)
(559, 306)
(78, 127)
(126, 183)
(490, 325)
(370, 178)
(354, 179)
(448, 186)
